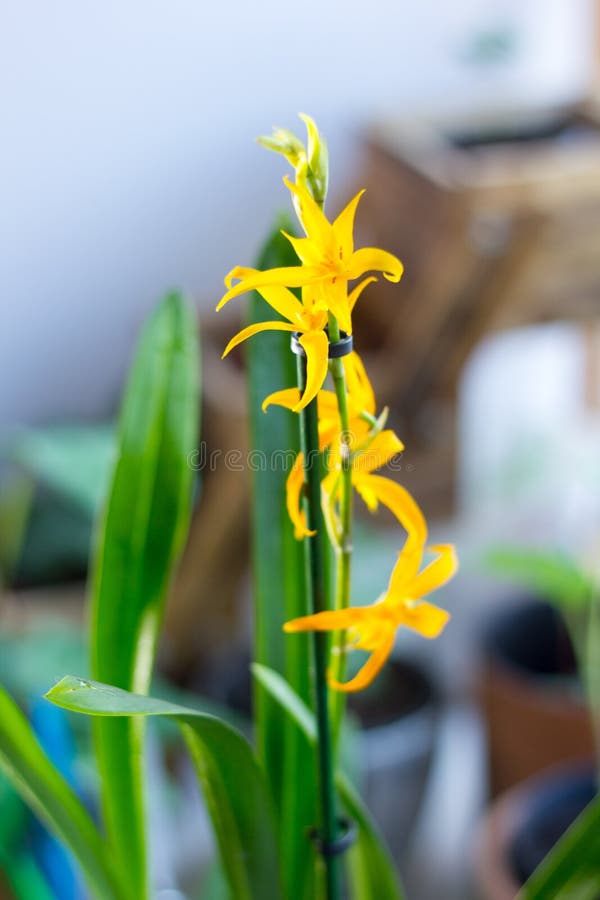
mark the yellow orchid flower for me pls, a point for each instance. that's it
(383, 447)
(309, 318)
(373, 628)
(328, 258)
(361, 401)
(373, 489)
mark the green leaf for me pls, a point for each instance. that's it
(52, 799)
(139, 541)
(373, 874)
(571, 868)
(554, 576)
(287, 699)
(279, 579)
(233, 783)
(24, 876)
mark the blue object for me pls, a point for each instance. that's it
(51, 726)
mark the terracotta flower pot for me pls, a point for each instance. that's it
(532, 702)
(523, 825)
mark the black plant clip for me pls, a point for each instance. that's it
(340, 348)
(342, 843)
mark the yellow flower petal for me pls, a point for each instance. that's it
(282, 301)
(330, 620)
(328, 432)
(357, 291)
(343, 227)
(365, 491)
(436, 573)
(293, 499)
(328, 408)
(328, 411)
(371, 668)
(400, 503)
(370, 259)
(287, 398)
(361, 395)
(306, 250)
(312, 218)
(397, 499)
(385, 446)
(334, 295)
(316, 347)
(290, 276)
(238, 274)
(254, 329)
(427, 619)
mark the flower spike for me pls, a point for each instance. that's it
(373, 628)
(328, 260)
(309, 319)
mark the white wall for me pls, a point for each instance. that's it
(127, 163)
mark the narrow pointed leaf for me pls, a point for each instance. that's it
(53, 800)
(373, 874)
(140, 537)
(233, 785)
(571, 869)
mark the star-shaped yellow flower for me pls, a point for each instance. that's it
(329, 260)
(373, 628)
(361, 400)
(308, 318)
(383, 447)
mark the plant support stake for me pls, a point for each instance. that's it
(316, 602)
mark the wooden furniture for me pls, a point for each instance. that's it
(494, 233)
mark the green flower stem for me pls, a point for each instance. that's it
(316, 590)
(344, 548)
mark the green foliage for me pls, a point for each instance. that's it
(571, 870)
(140, 537)
(372, 871)
(233, 783)
(53, 800)
(279, 580)
(552, 575)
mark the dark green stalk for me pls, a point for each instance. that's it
(343, 550)
(316, 591)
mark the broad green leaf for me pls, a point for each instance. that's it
(279, 580)
(373, 874)
(139, 540)
(553, 575)
(233, 783)
(572, 867)
(52, 799)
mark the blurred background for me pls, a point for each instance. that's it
(127, 168)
